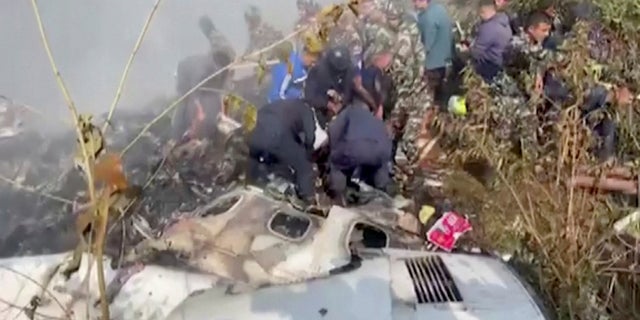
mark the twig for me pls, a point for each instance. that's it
(34, 191)
(200, 84)
(44, 289)
(125, 73)
(15, 306)
(65, 93)
(87, 159)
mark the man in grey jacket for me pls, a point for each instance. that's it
(493, 38)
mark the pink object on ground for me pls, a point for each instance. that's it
(446, 231)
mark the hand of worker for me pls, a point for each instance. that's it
(538, 85)
(379, 112)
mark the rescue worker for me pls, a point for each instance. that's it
(306, 12)
(412, 103)
(558, 29)
(598, 113)
(336, 72)
(261, 34)
(357, 141)
(283, 139)
(346, 33)
(436, 29)
(196, 116)
(526, 63)
(288, 76)
(492, 39)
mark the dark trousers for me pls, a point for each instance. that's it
(281, 156)
(487, 70)
(370, 158)
(436, 79)
(605, 131)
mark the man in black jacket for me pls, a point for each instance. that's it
(334, 71)
(282, 140)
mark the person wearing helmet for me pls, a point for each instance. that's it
(332, 82)
(261, 34)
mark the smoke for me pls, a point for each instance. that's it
(91, 41)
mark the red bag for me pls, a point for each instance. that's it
(446, 231)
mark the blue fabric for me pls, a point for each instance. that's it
(353, 128)
(493, 38)
(285, 86)
(436, 32)
(604, 129)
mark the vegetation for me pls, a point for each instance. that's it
(561, 237)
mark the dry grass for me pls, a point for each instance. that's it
(561, 237)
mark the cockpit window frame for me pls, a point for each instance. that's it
(291, 213)
(371, 224)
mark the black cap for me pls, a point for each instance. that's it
(339, 58)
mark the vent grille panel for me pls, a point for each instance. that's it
(432, 281)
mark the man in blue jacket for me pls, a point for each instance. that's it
(358, 140)
(288, 76)
(436, 31)
(493, 38)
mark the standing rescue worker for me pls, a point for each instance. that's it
(436, 29)
(261, 34)
(335, 73)
(283, 140)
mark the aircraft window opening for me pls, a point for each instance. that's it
(223, 205)
(289, 226)
(366, 236)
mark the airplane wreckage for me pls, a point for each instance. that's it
(244, 252)
(231, 258)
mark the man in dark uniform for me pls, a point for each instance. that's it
(283, 140)
(334, 72)
(358, 141)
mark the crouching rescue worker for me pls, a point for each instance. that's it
(358, 141)
(335, 71)
(281, 141)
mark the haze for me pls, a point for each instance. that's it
(91, 41)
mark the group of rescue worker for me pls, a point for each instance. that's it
(378, 83)
(367, 90)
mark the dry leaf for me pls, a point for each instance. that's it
(261, 70)
(353, 6)
(92, 136)
(109, 170)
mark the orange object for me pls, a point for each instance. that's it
(606, 184)
(109, 170)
